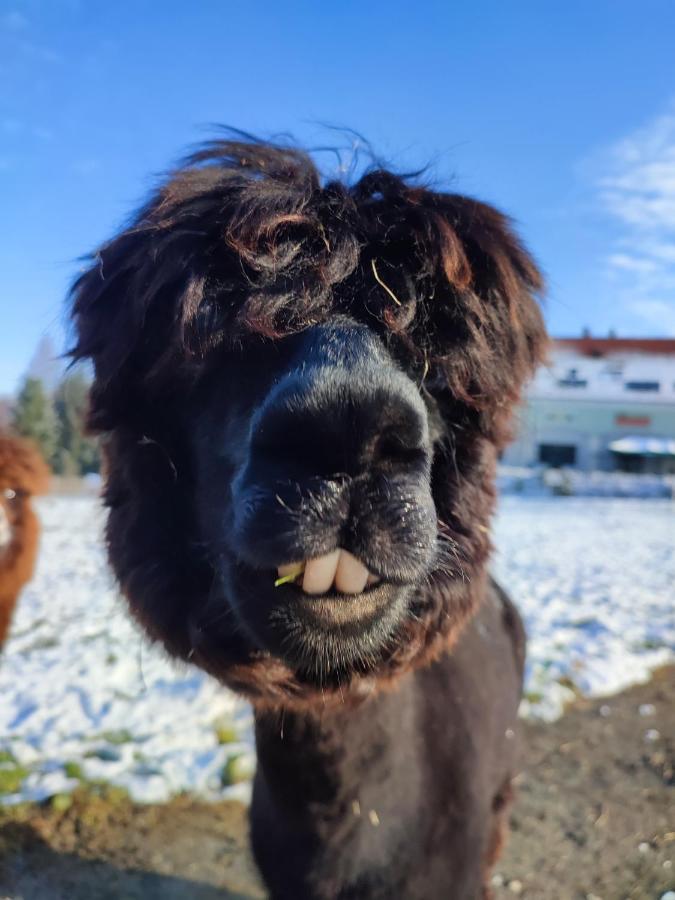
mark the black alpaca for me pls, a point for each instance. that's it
(303, 388)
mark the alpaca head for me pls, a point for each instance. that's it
(303, 388)
(23, 473)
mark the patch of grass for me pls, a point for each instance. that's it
(122, 695)
(73, 770)
(99, 787)
(145, 767)
(567, 682)
(651, 644)
(121, 736)
(12, 777)
(61, 802)
(16, 812)
(6, 756)
(43, 643)
(90, 638)
(533, 696)
(115, 795)
(226, 732)
(238, 768)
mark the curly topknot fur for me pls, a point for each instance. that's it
(247, 238)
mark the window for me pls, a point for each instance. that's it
(642, 385)
(572, 380)
(557, 455)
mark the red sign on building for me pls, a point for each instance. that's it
(628, 421)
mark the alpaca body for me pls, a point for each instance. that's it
(401, 796)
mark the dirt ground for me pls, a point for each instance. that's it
(594, 820)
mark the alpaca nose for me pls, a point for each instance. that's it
(339, 425)
(345, 412)
(337, 458)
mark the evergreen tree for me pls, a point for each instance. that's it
(46, 364)
(34, 417)
(77, 453)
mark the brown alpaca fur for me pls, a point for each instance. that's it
(23, 474)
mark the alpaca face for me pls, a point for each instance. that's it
(304, 382)
(22, 474)
(314, 454)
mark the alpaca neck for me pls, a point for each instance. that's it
(394, 797)
(319, 758)
(343, 778)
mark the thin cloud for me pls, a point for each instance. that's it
(637, 189)
(628, 263)
(87, 166)
(42, 134)
(659, 313)
(13, 21)
(11, 126)
(38, 52)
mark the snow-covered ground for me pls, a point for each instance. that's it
(82, 695)
(594, 579)
(79, 684)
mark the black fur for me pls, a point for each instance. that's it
(402, 796)
(284, 366)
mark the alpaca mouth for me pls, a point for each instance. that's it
(338, 569)
(340, 610)
(322, 617)
(335, 589)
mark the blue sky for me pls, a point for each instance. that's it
(563, 114)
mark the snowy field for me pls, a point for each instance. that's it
(83, 696)
(594, 580)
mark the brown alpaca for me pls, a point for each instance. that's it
(23, 474)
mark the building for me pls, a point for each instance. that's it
(601, 403)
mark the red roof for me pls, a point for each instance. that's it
(592, 346)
